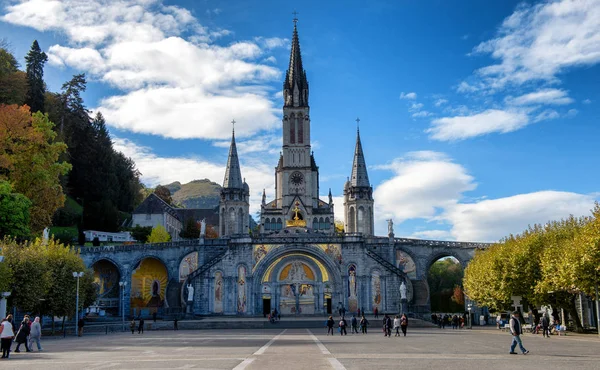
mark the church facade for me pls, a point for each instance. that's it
(297, 263)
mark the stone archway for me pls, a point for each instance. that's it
(149, 280)
(107, 276)
(297, 280)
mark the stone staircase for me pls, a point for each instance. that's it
(389, 266)
(202, 269)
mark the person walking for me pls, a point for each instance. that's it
(397, 325)
(141, 326)
(387, 326)
(376, 312)
(35, 334)
(342, 325)
(22, 334)
(132, 326)
(175, 327)
(80, 325)
(6, 335)
(354, 323)
(516, 331)
(363, 324)
(154, 316)
(329, 324)
(404, 323)
(546, 326)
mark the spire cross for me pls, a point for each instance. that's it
(295, 13)
(357, 123)
(233, 124)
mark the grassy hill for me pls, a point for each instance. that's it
(195, 194)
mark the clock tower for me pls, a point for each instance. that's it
(296, 202)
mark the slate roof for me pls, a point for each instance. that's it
(154, 205)
(359, 177)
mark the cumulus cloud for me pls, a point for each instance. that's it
(440, 102)
(587, 101)
(172, 80)
(490, 220)
(156, 169)
(423, 183)
(489, 121)
(408, 95)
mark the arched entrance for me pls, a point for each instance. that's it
(148, 287)
(299, 281)
(106, 279)
(444, 278)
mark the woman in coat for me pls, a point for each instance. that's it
(6, 335)
(330, 323)
(22, 335)
(404, 323)
(35, 334)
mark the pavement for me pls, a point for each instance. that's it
(310, 349)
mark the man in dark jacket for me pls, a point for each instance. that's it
(516, 331)
(546, 326)
(22, 335)
(141, 326)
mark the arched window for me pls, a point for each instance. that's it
(279, 224)
(351, 220)
(240, 221)
(267, 224)
(293, 130)
(321, 223)
(327, 223)
(223, 218)
(361, 220)
(300, 122)
(315, 223)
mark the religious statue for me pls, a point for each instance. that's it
(190, 293)
(403, 291)
(390, 227)
(203, 227)
(46, 235)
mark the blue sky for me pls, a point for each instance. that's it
(477, 118)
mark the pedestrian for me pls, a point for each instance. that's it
(132, 326)
(141, 326)
(154, 316)
(516, 331)
(387, 326)
(6, 335)
(342, 325)
(376, 312)
(363, 324)
(80, 325)
(404, 323)
(22, 334)
(175, 324)
(35, 334)
(546, 326)
(329, 324)
(397, 325)
(354, 323)
(434, 318)
(498, 321)
(358, 313)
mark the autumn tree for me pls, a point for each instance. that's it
(164, 193)
(29, 159)
(191, 229)
(36, 88)
(211, 232)
(13, 82)
(14, 212)
(159, 235)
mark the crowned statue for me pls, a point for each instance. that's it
(190, 293)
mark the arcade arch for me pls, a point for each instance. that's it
(149, 280)
(444, 278)
(106, 279)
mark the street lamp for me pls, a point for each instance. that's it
(469, 307)
(77, 275)
(123, 284)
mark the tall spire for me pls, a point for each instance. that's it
(359, 176)
(295, 86)
(233, 175)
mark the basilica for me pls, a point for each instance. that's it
(296, 263)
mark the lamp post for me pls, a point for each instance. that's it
(77, 275)
(123, 284)
(469, 307)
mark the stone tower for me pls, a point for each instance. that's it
(234, 206)
(296, 202)
(358, 196)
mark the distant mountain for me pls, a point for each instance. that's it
(195, 194)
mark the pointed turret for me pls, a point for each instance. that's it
(359, 176)
(233, 175)
(295, 86)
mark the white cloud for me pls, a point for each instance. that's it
(546, 115)
(587, 101)
(572, 113)
(163, 170)
(270, 59)
(543, 96)
(440, 102)
(266, 144)
(490, 220)
(423, 183)
(465, 87)
(415, 106)
(539, 42)
(421, 114)
(173, 81)
(433, 235)
(489, 121)
(408, 96)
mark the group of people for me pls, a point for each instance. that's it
(140, 326)
(398, 323)
(274, 316)
(27, 333)
(443, 320)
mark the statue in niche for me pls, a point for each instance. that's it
(403, 291)
(190, 293)
(390, 227)
(203, 227)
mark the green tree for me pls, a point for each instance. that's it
(141, 233)
(6, 275)
(164, 193)
(13, 83)
(442, 277)
(191, 230)
(159, 235)
(35, 61)
(29, 159)
(14, 212)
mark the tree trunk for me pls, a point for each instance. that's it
(572, 310)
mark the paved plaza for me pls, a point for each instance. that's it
(308, 349)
